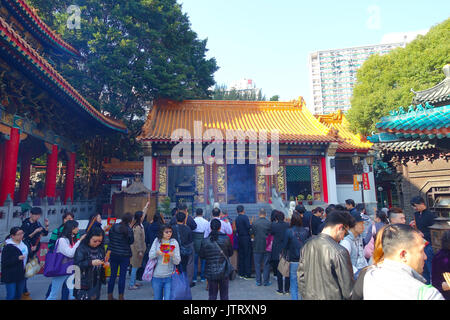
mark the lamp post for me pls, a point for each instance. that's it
(358, 163)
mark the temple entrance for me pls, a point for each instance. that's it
(180, 175)
(298, 180)
(241, 183)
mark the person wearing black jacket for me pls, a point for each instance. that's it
(244, 243)
(14, 258)
(183, 234)
(120, 240)
(190, 222)
(278, 231)
(33, 230)
(90, 257)
(216, 249)
(294, 239)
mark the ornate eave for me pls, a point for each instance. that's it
(34, 24)
(440, 93)
(18, 52)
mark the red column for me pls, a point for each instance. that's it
(52, 166)
(2, 158)
(324, 179)
(25, 173)
(8, 181)
(70, 177)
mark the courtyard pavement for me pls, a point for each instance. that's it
(239, 289)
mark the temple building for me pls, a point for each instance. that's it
(253, 153)
(416, 144)
(40, 112)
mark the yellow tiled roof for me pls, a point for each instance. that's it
(341, 127)
(292, 119)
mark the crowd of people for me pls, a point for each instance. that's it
(333, 253)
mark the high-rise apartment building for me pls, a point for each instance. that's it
(333, 72)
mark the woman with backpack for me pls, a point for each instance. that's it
(67, 246)
(137, 249)
(216, 250)
(120, 240)
(167, 252)
(294, 239)
(14, 259)
(90, 258)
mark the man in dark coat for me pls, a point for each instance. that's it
(244, 240)
(260, 229)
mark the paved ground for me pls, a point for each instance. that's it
(240, 289)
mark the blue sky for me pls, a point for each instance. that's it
(269, 41)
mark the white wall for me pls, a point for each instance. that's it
(147, 172)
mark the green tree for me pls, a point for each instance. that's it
(133, 52)
(221, 92)
(384, 82)
(275, 98)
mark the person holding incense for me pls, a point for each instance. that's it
(167, 251)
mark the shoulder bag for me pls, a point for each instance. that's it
(57, 264)
(229, 269)
(284, 265)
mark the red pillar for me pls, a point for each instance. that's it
(70, 177)
(52, 166)
(25, 173)
(8, 181)
(324, 179)
(2, 158)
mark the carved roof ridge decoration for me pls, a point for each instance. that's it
(340, 127)
(294, 122)
(36, 62)
(31, 20)
(436, 94)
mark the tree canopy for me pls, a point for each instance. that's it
(221, 92)
(133, 52)
(384, 82)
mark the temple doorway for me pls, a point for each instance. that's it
(241, 183)
(298, 181)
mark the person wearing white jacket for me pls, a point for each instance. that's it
(66, 245)
(398, 276)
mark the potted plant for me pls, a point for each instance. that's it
(300, 198)
(310, 199)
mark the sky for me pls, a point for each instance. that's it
(269, 41)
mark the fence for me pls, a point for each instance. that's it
(11, 215)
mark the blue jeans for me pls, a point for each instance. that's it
(202, 267)
(64, 293)
(427, 267)
(57, 284)
(295, 295)
(161, 288)
(14, 290)
(262, 260)
(116, 262)
(133, 276)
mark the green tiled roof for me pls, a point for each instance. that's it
(418, 123)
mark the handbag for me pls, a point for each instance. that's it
(229, 269)
(269, 242)
(32, 267)
(283, 266)
(56, 264)
(184, 250)
(149, 269)
(181, 290)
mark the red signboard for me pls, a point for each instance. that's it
(366, 183)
